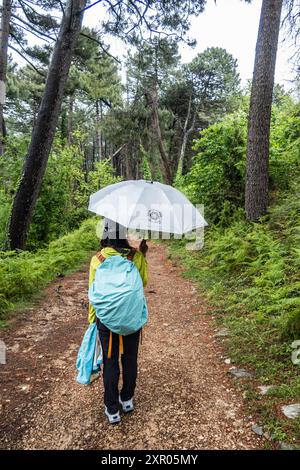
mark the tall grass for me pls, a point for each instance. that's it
(24, 274)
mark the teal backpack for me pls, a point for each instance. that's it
(117, 295)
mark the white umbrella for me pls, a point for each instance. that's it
(147, 205)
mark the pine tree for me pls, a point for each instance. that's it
(4, 34)
(257, 172)
(45, 125)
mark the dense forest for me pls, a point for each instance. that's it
(231, 147)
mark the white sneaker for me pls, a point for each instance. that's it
(113, 419)
(127, 405)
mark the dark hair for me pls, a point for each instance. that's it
(117, 243)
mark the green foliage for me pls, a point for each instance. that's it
(25, 89)
(65, 190)
(154, 62)
(256, 266)
(128, 128)
(4, 214)
(214, 79)
(94, 72)
(284, 143)
(25, 274)
(145, 167)
(10, 170)
(169, 16)
(62, 186)
(103, 175)
(217, 176)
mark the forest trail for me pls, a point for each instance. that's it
(185, 398)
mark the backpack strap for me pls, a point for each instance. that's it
(121, 345)
(131, 254)
(110, 343)
(100, 257)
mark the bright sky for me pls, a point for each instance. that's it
(231, 24)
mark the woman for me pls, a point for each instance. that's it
(114, 242)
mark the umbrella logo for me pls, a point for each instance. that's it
(154, 215)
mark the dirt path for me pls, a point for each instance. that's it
(184, 400)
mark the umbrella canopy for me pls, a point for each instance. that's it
(147, 205)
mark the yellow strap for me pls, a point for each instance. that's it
(109, 345)
(121, 344)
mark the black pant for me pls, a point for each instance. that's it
(111, 368)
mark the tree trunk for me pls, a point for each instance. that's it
(4, 34)
(128, 167)
(93, 154)
(98, 130)
(257, 171)
(44, 128)
(152, 102)
(70, 120)
(101, 134)
(4, 131)
(186, 133)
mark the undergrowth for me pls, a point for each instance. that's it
(250, 274)
(24, 274)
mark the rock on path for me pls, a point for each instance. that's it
(185, 398)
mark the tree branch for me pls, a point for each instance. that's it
(27, 60)
(31, 32)
(25, 52)
(101, 45)
(34, 11)
(32, 28)
(107, 103)
(119, 150)
(88, 7)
